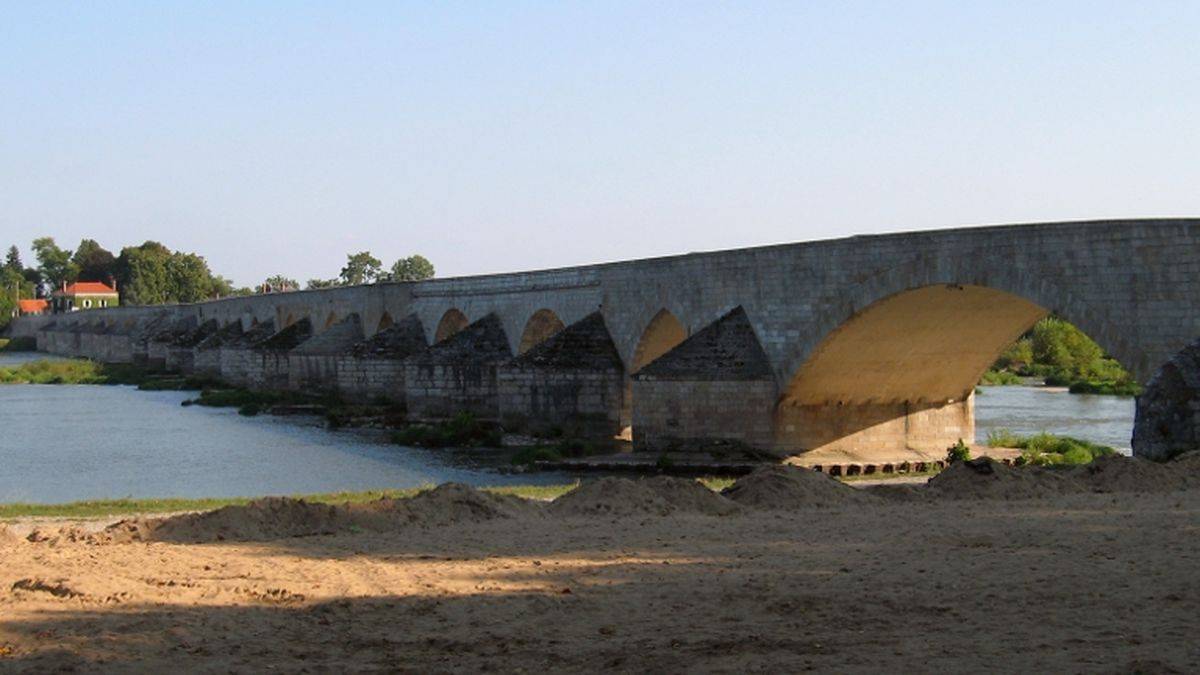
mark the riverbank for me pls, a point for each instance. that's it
(1059, 583)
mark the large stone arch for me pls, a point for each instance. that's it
(540, 326)
(899, 374)
(453, 320)
(661, 334)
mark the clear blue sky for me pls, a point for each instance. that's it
(494, 136)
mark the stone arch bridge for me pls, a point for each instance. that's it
(867, 345)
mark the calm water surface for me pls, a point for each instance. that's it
(1029, 410)
(63, 443)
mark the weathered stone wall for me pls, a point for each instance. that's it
(690, 415)
(583, 402)
(863, 428)
(440, 391)
(367, 378)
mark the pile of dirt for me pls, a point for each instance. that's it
(1118, 473)
(449, 504)
(1188, 465)
(660, 495)
(283, 517)
(984, 478)
(7, 538)
(268, 518)
(792, 487)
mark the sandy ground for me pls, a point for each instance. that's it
(1069, 583)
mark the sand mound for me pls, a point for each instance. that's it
(268, 518)
(660, 495)
(986, 479)
(283, 517)
(7, 538)
(1117, 473)
(790, 487)
(453, 503)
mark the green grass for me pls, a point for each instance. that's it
(75, 371)
(123, 507)
(1047, 449)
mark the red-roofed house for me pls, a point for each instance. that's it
(84, 295)
(32, 307)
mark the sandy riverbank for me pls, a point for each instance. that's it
(634, 577)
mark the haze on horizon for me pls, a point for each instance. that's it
(278, 137)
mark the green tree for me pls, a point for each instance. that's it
(142, 273)
(12, 261)
(412, 268)
(279, 283)
(322, 283)
(188, 278)
(1064, 349)
(53, 262)
(361, 268)
(93, 262)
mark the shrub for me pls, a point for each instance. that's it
(959, 452)
(1000, 377)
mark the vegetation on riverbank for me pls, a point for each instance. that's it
(18, 344)
(1063, 356)
(120, 507)
(1048, 449)
(83, 371)
(461, 431)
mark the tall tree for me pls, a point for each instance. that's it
(322, 283)
(94, 262)
(12, 261)
(361, 268)
(412, 268)
(142, 272)
(53, 262)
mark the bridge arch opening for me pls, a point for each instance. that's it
(385, 322)
(898, 379)
(543, 324)
(661, 335)
(452, 322)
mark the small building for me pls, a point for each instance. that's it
(32, 307)
(83, 295)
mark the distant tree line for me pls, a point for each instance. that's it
(148, 274)
(1062, 355)
(152, 274)
(361, 268)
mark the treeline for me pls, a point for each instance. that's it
(360, 268)
(1062, 355)
(147, 274)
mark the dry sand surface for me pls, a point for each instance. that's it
(985, 569)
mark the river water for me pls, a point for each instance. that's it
(64, 443)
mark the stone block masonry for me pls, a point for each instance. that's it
(458, 374)
(373, 369)
(574, 380)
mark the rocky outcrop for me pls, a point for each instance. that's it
(1168, 411)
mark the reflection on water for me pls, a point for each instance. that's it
(1029, 410)
(17, 358)
(64, 443)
